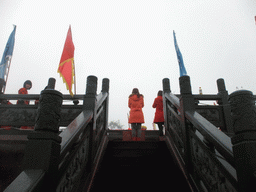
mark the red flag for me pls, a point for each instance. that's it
(66, 66)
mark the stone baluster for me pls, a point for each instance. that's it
(187, 103)
(90, 104)
(105, 89)
(223, 93)
(166, 85)
(243, 113)
(51, 83)
(90, 96)
(105, 85)
(43, 146)
(166, 89)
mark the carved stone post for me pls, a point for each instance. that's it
(43, 147)
(105, 85)
(166, 89)
(51, 83)
(105, 89)
(90, 96)
(243, 113)
(187, 99)
(187, 103)
(222, 92)
(166, 85)
(48, 115)
(90, 104)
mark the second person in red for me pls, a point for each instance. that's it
(159, 114)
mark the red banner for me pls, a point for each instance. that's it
(66, 66)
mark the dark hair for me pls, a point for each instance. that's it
(160, 93)
(135, 91)
(27, 82)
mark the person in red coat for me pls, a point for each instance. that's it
(136, 103)
(24, 90)
(159, 114)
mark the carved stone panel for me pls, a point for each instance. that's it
(175, 128)
(17, 116)
(207, 170)
(75, 168)
(68, 114)
(212, 114)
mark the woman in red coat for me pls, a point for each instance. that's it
(159, 114)
(136, 103)
(24, 91)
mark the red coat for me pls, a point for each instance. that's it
(136, 104)
(23, 91)
(159, 114)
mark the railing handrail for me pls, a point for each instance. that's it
(204, 96)
(70, 135)
(101, 97)
(173, 99)
(36, 96)
(199, 144)
(220, 140)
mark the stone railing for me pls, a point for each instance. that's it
(58, 162)
(16, 115)
(210, 159)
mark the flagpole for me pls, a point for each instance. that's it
(74, 77)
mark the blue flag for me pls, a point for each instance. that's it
(183, 71)
(7, 55)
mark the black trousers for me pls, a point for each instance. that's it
(136, 129)
(160, 127)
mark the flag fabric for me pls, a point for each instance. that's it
(183, 71)
(7, 55)
(66, 66)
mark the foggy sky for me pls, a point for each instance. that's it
(131, 43)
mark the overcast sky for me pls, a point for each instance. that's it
(131, 43)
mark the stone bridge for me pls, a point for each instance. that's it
(204, 148)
